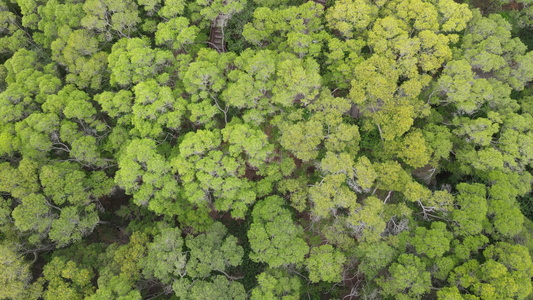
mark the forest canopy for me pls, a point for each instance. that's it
(266, 149)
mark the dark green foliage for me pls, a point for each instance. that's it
(526, 205)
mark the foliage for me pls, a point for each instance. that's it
(356, 149)
(15, 273)
(274, 238)
(325, 264)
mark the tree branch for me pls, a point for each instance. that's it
(229, 276)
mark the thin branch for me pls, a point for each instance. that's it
(380, 132)
(51, 205)
(388, 196)
(431, 96)
(229, 276)
(225, 112)
(35, 257)
(306, 279)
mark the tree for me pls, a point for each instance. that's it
(27, 87)
(391, 176)
(473, 209)
(449, 293)
(515, 140)
(415, 152)
(287, 29)
(365, 173)
(518, 263)
(156, 108)
(55, 201)
(145, 174)
(203, 168)
(53, 17)
(351, 17)
(77, 50)
(273, 237)
(373, 89)
(64, 279)
(214, 251)
(12, 35)
(461, 88)
(276, 284)
(250, 83)
(34, 133)
(339, 136)
(111, 17)
(504, 273)
(502, 205)
(342, 57)
(176, 33)
(433, 242)
(325, 264)
(132, 61)
(470, 245)
(219, 288)
(497, 58)
(206, 11)
(478, 131)
(374, 257)
(172, 8)
(165, 9)
(79, 126)
(115, 288)
(297, 79)
(408, 277)
(366, 221)
(438, 140)
(117, 105)
(165, 258)
(15, 273)
(455, 15)
(252, 142)
(188, 272)
(302, 138)
(9, 143)
(421, 15)
(204, 79)
(333, 191)
(123, 261)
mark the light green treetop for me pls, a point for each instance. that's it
(133, 60)
(273, 236)
(276, 284)
(325, 263)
